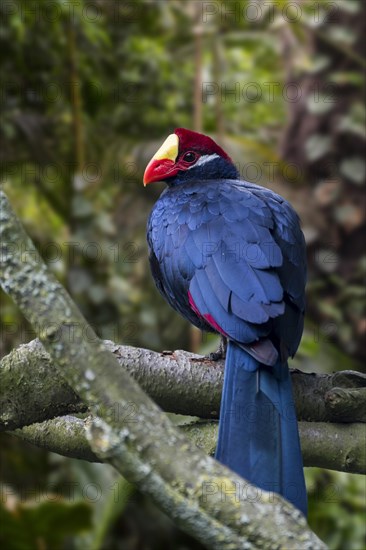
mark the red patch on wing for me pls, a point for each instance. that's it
(193, 305)
(207, 316)
(211, 321)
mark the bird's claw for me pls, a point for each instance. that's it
(220, 353)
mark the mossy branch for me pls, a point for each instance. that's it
(334, 446)
(202, 496)
(179, 382)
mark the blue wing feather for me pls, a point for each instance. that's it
(247, 242)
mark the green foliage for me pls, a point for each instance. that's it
(337, 508)
(30, 526)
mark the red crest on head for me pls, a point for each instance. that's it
(194, 141)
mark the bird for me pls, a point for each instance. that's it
(229, 256)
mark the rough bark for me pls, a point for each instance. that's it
(65, 435)
(203, 497)
(333, 446)
(179, 382)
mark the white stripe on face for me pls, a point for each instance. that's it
(204, 160)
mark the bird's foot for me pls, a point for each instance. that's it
(220, 353)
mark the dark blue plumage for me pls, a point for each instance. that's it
(230, 257)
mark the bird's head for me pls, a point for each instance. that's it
(186, 156)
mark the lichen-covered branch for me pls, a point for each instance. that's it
(203, 497)
(65, 435)
(38, 392)
(338, 447)
(346, 403)
(314, 395)
(335, 446)
(179, 382)
(38, 395)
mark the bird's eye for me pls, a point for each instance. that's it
(190, 156)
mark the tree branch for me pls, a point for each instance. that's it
(333, 446)
(65, 435)
(179, 382)
(202, 496)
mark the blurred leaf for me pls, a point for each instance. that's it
(350, 6)
(347, 78)
(30, 526)
(319, 104)
(327, 192)
(341, 34)
(317, 146)
(319, 63)
(337, 507)
(354, 121)
(81, 207)
(349, 215)
(331, 311)
(354, 169)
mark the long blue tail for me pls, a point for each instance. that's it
(258, 432)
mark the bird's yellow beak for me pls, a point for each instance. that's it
(162, 164)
